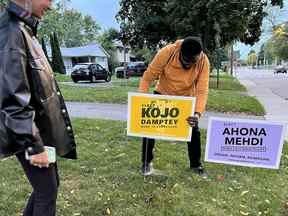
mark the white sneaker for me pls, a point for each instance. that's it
(147, 169)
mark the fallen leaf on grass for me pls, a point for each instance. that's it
(220, 178)
(231, 189)
(175, 185)
(244, 213)
(120, 155)
(108, 211)
(244, 192)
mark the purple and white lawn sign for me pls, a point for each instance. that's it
(242, 142)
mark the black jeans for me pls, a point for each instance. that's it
(45, 182)
(194, 149)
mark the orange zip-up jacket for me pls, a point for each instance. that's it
(174, 80)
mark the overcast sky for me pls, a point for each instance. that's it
(103, 11)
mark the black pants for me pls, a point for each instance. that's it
(194, 149)
(45, 182)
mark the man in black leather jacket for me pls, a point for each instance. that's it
(32, 109)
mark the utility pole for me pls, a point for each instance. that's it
(231, 60)
(125, 62)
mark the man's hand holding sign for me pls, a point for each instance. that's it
(194, 120)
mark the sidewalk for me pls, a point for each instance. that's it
(276, 107)
(119, 112)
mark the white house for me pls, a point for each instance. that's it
(93, 53)
(122, 54)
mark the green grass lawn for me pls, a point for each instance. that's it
(105, 180)
(230, 97)
(62, 77)
(226, 82)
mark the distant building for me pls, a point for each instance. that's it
(93, 53)
(122, 54)
(237, 62)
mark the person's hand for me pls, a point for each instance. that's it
(193, 120)
(40, 160)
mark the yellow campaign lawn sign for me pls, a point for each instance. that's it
(159, 116)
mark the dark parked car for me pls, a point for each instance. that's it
(281, 69)
(133, 69)
(90, 72)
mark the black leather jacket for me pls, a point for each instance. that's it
(32, 109)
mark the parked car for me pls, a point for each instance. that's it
(132, 69)
(120, 69)
(90, 72)
(281, 69)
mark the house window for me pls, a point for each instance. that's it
(121, 49)
(100, 59)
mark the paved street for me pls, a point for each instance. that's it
(277, 83)
(270, 89)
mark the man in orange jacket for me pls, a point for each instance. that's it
(181, 69)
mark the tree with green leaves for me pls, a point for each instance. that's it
(58, 60)
(72, 27)
(252, 58)
(269, 52)
(276, 47)
(261, 56)
(154, 23)
(217, 57)
(52, 47)
(43, 44)
(106, 40)
(3, 3)
(280, 41)
(144, 54)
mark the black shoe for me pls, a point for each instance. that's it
(199, 170)
(147, 169)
